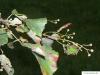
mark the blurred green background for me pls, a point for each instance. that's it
(85, 17)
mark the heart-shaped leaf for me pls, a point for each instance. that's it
(49, 64)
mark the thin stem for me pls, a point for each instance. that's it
(63, 27)
(49, 32)
(16, 38)
(1, 51)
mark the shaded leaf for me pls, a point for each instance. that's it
(36, 25)
(49, 64)
(3, 37)
(6, 64)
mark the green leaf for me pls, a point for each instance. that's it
(52, 57)
(72, 50)
(36, 25)
(3, 37)
(48, 64)
(44, 65)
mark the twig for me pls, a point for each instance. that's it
(63, 27)
(1, 51)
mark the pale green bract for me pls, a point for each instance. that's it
(72, 50)
(36, 25)
(3, 37)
